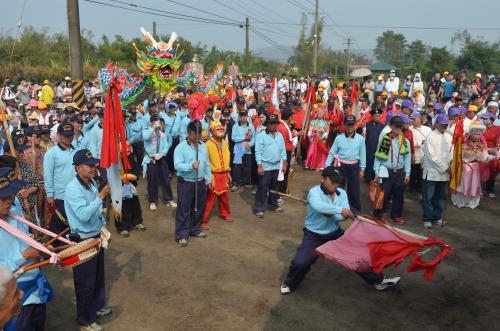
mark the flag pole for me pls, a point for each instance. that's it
(197, 155)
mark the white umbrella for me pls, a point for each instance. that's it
(361, 72)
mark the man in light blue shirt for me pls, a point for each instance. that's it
(15, 253)
(133, 127)
(80, 141)
(172, 125)
(156, 145)
(184, 121)
(392, 166)
(83, 205)
(348, 154)
(193, 176)
(270, 154)
(243, 137)
(327, 204)
(58, 172)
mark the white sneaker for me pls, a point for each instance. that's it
(141, 227)
(387, 282)
(284, 289)
(152, 206)
(171, 203)
(491, 195)
(428, 225)
(125, 233)
(440, 222)
(281, 201)
(96, 327)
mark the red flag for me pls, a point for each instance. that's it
(114, 129)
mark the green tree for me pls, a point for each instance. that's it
(477, 55)
(391, 48)
(441, 60)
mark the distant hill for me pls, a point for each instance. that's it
(272, 53)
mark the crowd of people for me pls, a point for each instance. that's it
(251, 134)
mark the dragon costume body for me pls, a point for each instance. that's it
(159, 68)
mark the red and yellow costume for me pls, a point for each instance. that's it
(219, 158)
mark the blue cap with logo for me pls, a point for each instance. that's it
(9, 183)
(65, 129)
(442, 119)
(84, 156)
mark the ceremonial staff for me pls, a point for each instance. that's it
(197, 126)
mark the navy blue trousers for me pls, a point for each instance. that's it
(157, 174)
(90, 293)
(350, 172)
(305, 258)
(31, 318)
(56, 225)
(242, 173)
(269, 181)
(187, 221)
(131, 214)
(393, 187)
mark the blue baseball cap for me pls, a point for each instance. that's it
(84, 156)
(442, 119)
(78, 118)
(406, 119)
(415, 114)
(407, 104)
(9, 183)
(389, 116)
(65, 129)
(437, 106)
(487, 115)
(454, 111)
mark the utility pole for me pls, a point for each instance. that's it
(75, 51)
(315, 49)
(154, 30)
(349, 42)
(247, 43)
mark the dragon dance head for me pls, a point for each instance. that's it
(160, 62)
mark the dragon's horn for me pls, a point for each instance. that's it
(172, 39)
(149, 38)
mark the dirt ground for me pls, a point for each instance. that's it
(231, 280)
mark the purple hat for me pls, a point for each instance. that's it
(415, 114)
(454, 111)
(442, 119)
(406, 119)
(487, 115)
(463, 109)
(437, 106)
(389, 116)
(407, 104)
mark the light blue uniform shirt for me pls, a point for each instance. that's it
(319, 204)
(171, 126)
(95, 141)
(403, 162)
(238, 135)
(81, 142)
(183, 124)
(58, 170)
(87, 127)
(348, 149)
(205, 125)
(184, 157)
(269, 150)
(134, 131)
(83, 209)
(164, 144)
(11, 249)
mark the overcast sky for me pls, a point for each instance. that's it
(111, 21)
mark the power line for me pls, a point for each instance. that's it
(271, 42)
(263, 13)
(165, 11)
(201, 10)
(246, 15)
(393, 27)
(299, 5)
(270, 10)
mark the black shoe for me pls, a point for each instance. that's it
(104, 313)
